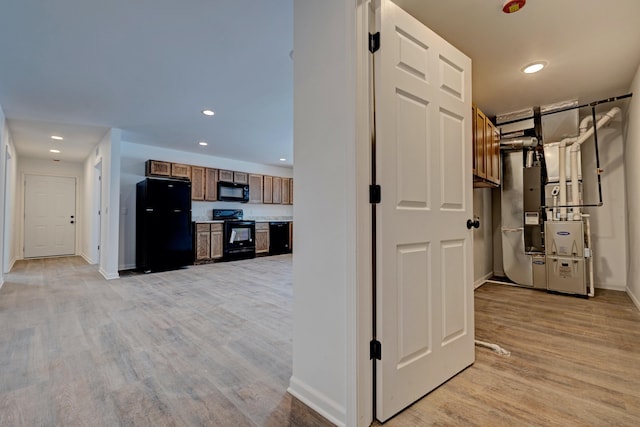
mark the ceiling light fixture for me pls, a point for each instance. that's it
(54, 151)
(57, 138)
(533, 68)
(282, 159)
(512, 6)
(208, 112)
(204, 144)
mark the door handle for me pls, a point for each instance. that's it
(473, 223)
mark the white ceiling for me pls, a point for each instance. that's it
(148, 67)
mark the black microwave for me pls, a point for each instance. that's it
(233, 192)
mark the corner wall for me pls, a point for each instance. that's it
(324, 261)
(8, 180)
(632, 176)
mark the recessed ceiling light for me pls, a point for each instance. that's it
(54, 151)
(204, 144)
(533, 68)
(57, 138)
(282, 159)
(208, 112)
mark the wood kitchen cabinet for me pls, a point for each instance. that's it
(178, 170)
(211, 185)
(486, 151)
(291, 191)
(241, 178)
(225, 175)
(197, 183)
(208, 242)
(255, 188)
(262, 237)
(267, 189)
(285, 191)
(216, 241)
(157, 168)
(277, 190)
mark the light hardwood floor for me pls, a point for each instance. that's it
(573, 362)
(211, 345)
(207, 345)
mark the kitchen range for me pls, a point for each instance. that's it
(238, 234)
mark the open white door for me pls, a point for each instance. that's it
(50, 216)
(424, 270)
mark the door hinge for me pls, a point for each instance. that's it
(375, 350)
(374, 42)
(98, 247)
(374, 194)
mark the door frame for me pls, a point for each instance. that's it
(21, 205)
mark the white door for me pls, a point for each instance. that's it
(50, 216)
(424, 260)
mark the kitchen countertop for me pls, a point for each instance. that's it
(256, 219)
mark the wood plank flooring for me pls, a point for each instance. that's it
(207, 345)
(573, 362)
(211, 345)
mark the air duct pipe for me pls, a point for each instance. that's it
(575, 150)
(562, 160)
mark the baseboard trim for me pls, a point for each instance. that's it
(482, 280)
(634, 298)
(86, 258)
(318, 402)
(109, 276)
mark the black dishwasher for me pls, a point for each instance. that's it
(279, 238)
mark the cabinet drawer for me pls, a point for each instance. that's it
(216, 227)
(202, 227)
(262, 226)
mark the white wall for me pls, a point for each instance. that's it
(608, 222)
(92, 190)
(109, 151)
(8, 180)
(483, 236)
(47, 167)
(325, 170)
(632, 176)
(133, 158)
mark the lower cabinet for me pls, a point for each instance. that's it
(208, 242)
(262, 238)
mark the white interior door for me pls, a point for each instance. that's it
(50, 216)
(424, 260)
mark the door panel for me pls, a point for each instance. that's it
(50, 218)
(424, 265)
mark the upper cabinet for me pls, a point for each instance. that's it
(204, 182)
(255, 188)
(486, 151)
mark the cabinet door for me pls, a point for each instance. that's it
(255, 188)
(488, 150)
(285, 191)
(262, 237)
(240, 178)
(211, 185)
(277, 190)
(157, 168)
(290, 190)
(203, 242)
(216, 241)
(178, 170)
(226, 176)
(481, 169)
(267, 192)
(474, 141)
(495, 156)
(197, 183)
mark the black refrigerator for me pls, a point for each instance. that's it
(163, 224)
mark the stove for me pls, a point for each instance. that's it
(239, 234)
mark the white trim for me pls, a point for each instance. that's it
(317, 401)
(87, 259)
(634, 298)
(107, 275)
(481, 281)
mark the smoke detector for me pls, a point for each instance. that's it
(511, 6)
